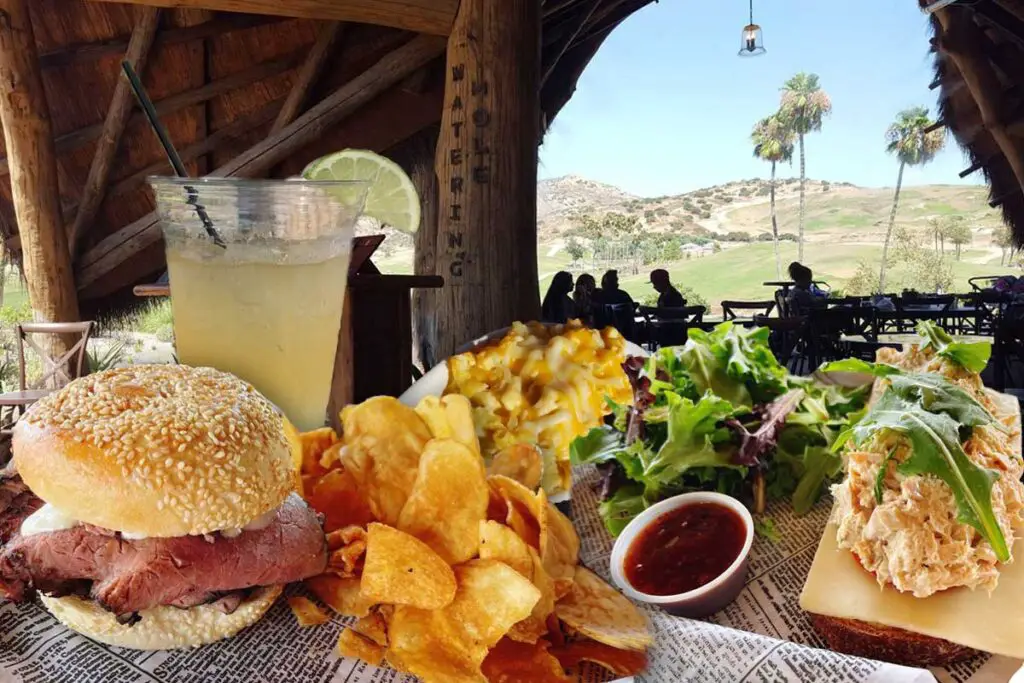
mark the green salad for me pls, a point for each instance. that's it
(719, 413)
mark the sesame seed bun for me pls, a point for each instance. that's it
(161, 628)
(156, 450)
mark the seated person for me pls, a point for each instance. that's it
(583, 298)
(801, 298)
(557, 306)
(610, 294)
(668, 296)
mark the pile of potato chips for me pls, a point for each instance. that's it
(543, 385)
(454, 573)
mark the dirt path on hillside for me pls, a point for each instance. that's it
(714, 224)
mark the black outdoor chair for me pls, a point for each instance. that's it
(670, 326)
(620, 316)
(744, 312)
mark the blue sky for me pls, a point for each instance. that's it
(667, 106)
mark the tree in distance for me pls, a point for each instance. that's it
(773, 142)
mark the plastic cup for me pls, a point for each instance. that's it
(263, 298)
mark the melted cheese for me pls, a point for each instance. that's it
(837, 587)
(48, 519)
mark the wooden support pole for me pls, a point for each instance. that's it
(487, 171)
(113, 128)
(29, 138)
(308, 75)
(127, 242)
(419, 161)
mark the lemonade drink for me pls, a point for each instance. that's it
(267, 305)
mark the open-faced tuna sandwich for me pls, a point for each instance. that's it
(918, 564)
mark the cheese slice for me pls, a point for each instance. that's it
(837, 587)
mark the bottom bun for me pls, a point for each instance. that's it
(889, 644)
(161, 628)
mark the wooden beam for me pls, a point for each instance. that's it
(421, 16)
(174, 103)
(961, 39)
(113, 128)
(28, 136)
(555, 54)
(997, 17)
(308, 75)
(419, 154)
(117, 248)
(79, 53)
(487, 171)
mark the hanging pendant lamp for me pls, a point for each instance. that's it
(751, 40)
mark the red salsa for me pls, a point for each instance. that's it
(685, 549)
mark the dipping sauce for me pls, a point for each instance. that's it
(685, 549)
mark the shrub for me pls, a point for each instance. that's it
(705, 214)
(764, 191)
(736, 236)
(764, 237)
(825, 187)
(787, 237)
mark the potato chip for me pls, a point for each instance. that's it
(347, 560)
(448, 500)
(598, 611)
(383, 443)
(336, 495)
(314, 444)
(559, 546)
(306, 612)
(294, 439)
(499, 542)
(429, 645)
(339, 538)
(450, 417)
(530, 629)
(400, 569)
(512, 662)
(520, 461)
(619, 662)
(341, 595)
(352, 644)
(373, 626)
(523, 508)
(492, 596)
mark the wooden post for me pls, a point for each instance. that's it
(487, 171)
(33, 163)
(420, 151)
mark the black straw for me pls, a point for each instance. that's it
(172, 154)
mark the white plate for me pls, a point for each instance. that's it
(435, 380)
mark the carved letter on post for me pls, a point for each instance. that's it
(487, 171)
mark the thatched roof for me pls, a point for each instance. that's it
(979, 66)
(220, 81)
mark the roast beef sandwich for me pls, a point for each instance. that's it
(920, 563)
(152, 507)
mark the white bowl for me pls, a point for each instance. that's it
(710, 597)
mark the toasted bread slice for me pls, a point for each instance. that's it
(875, 641)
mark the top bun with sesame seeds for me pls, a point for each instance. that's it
(156, 451)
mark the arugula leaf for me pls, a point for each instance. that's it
(708, 374)
(860, 366)
(753, 446)
(938, 395)
(820, 466)
(936, 450)
(973, 356)
(880, 477)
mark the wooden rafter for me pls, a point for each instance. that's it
(961, 40)
(130, 240)
(421, 16)
(175, 103)
(88, 52)
(997, 16)
(308, 74)
(555, 54)
(113, 128)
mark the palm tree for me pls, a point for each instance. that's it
(773, 141)
(915, 140)
(804, 105)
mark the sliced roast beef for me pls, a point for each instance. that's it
(16, 503)
(132, 575)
